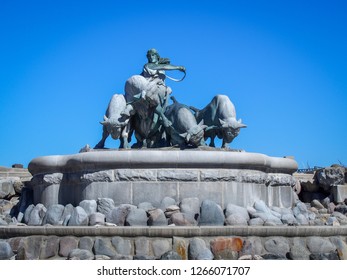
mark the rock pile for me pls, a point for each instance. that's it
(325, 182)
(188, 212)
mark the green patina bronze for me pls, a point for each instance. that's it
(146, 112)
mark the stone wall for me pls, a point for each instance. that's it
(133, 186)
(42, 247)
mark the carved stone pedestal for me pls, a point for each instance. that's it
(135, 176)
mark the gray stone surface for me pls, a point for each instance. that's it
(119, 192)
(256, 222)
(99, 176)
(198, 250)
(157, 218)
(160, 159)
(211, 214)
(79, 217)
(67, 244)
(315, 203)
(118, 215)
(146, 206)
(318, 245)
(298, 250)
(6, 252)
(7, 186)
(37, 248)
(161, 246)
(191, 207)
(136, 217)
(142, 247)
(3, 222)
(123, 246)
(68, 209)
(236, 220)
(339, 193)
(341, 247)
(105, 205)
(90, 206)
(238, 210)
(252, 246)
(330, 176)
(171, 255)
(103, 246)
(160, 173)
(80, 254)
(181, 219)
(178, 175)
(96, 219)
(54, 215)
(36, 215)
(289, 219)
(136, 175)
(277, 245)
(203, 190)
(86, 243)
(166, 202)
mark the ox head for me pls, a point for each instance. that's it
(231, 128)
(114, 127)
(195, 134)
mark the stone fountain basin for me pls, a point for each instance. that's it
(149, 175)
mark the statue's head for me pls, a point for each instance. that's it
(195, 134)
(114, 127)
(153, 56)
(231, 128)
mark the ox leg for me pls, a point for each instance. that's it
(124, 140)
(212, 144)
(101, 143)
(225, 145)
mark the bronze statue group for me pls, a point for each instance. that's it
(144, 111)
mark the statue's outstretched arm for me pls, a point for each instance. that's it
(155, 66)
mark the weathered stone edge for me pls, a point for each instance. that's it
(263, 231)
(104, 160)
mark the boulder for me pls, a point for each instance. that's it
(96, 218)
(181, 219)
(105, 205)
(136, 217)
(6, 252)
(236, 220)
(157, 218)
(236, 210)
(6, 186)
(198, 250)
(330, 176)
(211, 214)
(79, 217)
(66, 245)
(80, 254)
(118, 215)
(90, 206)
(103, 246)
(123, 246)
(226, 248)
(54, 215)
(167, 201)
(36, 215)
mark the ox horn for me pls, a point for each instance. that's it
(223, 123)
(241, 125)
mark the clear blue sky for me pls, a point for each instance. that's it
(282, 63)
